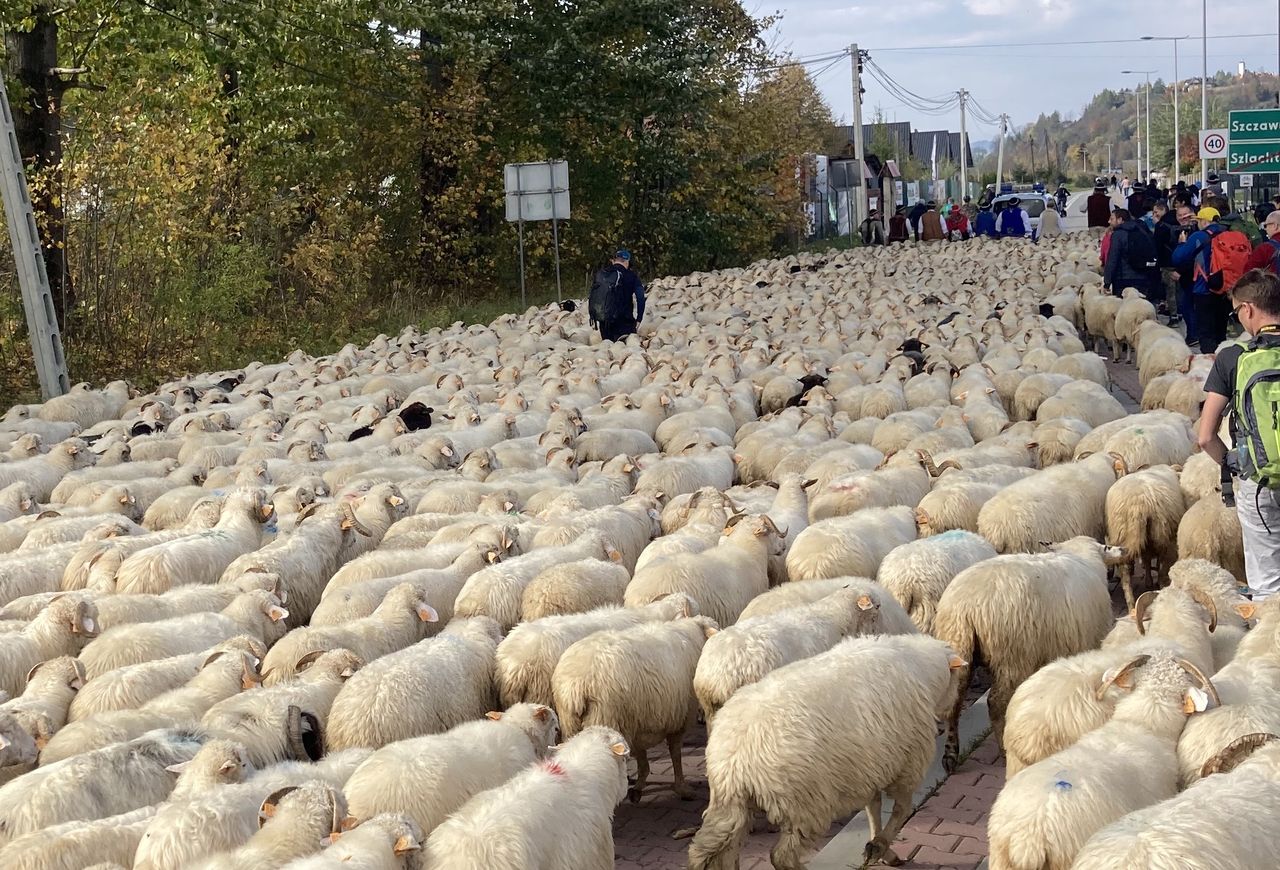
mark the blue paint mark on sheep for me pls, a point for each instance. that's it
(1061, 783)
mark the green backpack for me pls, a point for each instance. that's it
(1257, 411)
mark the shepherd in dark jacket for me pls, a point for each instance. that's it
(898, 226)
(622, 289)
(1098, 207)
(917, 212)
(1118, 274)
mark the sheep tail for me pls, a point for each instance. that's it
(572, 705)
(923, 611)
(718, 840)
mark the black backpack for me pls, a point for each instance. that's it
(1141, 250)
(608, 302)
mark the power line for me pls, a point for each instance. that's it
(1055, 42)
(801, 61)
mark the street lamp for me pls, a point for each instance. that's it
(1147, 73)
(1177, 86)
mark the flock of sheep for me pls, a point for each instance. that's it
(430, 603)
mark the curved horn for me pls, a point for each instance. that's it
(927, 461)
(1231, 755)
(1204, 681)
(304, 738)
(349, 520)
(308, 660)
(1136, 662)
(1203, 599)
(949, 463)
(1140, 610)
(267, 808)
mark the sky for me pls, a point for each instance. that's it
(1022, 80)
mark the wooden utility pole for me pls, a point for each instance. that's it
(37, 116)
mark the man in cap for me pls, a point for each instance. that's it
(616, 303)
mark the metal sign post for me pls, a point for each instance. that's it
(37, 301)
(538, 192)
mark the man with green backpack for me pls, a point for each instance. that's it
(1246, 379)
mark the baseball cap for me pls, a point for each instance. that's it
(1208, 213)
(623, 254)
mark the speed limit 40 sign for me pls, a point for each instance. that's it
(1213, 144)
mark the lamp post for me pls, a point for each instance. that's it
(1204, 81)
(1147, 73)
(1177, 86)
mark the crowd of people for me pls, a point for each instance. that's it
(927, 222)
(1183, 247)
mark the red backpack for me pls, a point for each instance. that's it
(1229, 250)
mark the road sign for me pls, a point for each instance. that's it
(1254, 125)
(1253, 141)
(1246, 179)
(1213, 144)
(1254, 157)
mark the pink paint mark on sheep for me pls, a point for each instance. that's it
(553, 767)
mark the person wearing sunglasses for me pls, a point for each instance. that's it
(1245, 380)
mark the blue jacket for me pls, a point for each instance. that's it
(984, 224)
(1194, 252)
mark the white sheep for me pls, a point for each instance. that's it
(428, 778)
(1220, 821)
(1019, 518)
(917, 573)
(257, 613)
(1143, 511)
(1046, 813)
(296, 820)
(854, 545)
(638, 680)
(992, 606)
(385, 842)
(574, 587)
(527, 657)
(496, 591)
(744, 652)
(127, 776)
(220, 677)
(285, 721)
(199, 558)
(61, 629)
(438, 585)
(517, 824)
(870, 703)
(449, 679)
(133, 685)
(403, 618)
(722, 579)
(85, 407)
(79, 844)
(42, 473)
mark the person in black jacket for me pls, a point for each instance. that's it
(1119, 273)
(913, 216)
(1165, 229)
(622, 288)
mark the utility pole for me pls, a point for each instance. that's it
(1004, 125)
(1177, 86)
(33, 278)
(1204, 82)
(1108, 161)
(858, 194)
(964, 151)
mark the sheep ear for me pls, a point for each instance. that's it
(541, 713)
(426, 612)
(180, 766)
(446, 450)
(1246, 609)
(709, 631)
(619, 749)
(866, 602)
(1195, 700)
(954, 662)
(405, 844)
(494, 715)
(614, 555)
(395, 500)
(276, 612)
